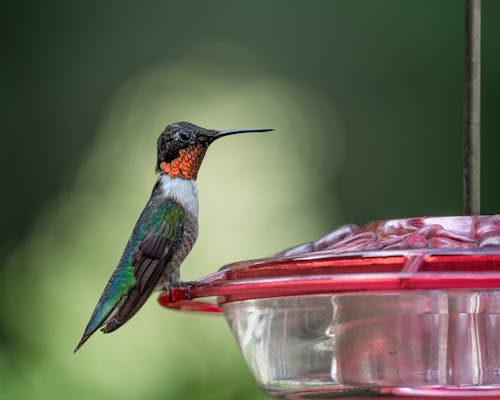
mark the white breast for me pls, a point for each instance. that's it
(184, 191)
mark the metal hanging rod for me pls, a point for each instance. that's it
(472, 108)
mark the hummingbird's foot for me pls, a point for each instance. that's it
(169, 288)
(187, 291)
(186, 285)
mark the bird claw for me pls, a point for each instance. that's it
(179, 285)
(187, 289)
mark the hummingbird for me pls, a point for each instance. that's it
(165, 231)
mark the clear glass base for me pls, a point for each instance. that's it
(394, 393)
(437, 343)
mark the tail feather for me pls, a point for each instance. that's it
(84, 338)
(134, 300)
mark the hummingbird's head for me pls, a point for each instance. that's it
(182, 146)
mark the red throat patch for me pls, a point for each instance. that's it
(188, 163)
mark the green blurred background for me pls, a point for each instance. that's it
(366, 98)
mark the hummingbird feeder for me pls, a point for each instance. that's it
(406, 308)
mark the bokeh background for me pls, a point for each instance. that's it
(366, 98)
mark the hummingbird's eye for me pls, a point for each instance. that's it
(185, 136)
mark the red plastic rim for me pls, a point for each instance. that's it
(437, 253)
(340, 274)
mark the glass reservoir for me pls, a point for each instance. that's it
(403, 308)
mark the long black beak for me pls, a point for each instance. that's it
(227, 132)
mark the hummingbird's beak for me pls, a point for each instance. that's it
(219, 134)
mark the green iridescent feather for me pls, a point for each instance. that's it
(152, 244)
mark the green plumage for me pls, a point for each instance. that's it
(153, 242)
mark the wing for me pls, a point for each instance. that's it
(149, 262)
(155, 240)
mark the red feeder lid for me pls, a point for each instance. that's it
(404, 254)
